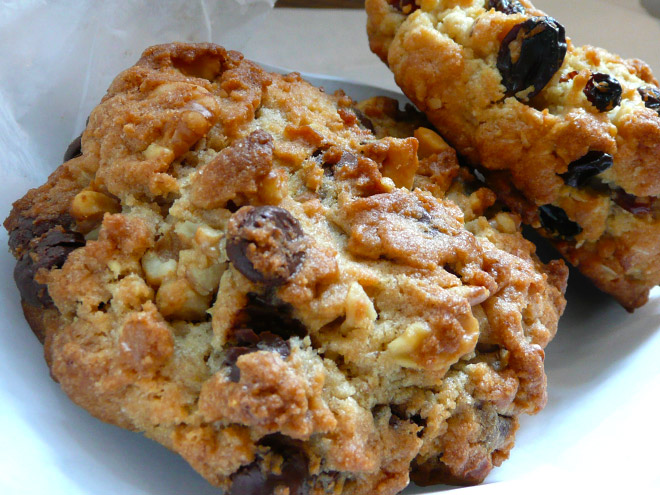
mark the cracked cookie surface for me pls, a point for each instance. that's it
(238, 267)
(568, 136)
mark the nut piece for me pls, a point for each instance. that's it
(430, 143)
(176, 299)
(87, 205)
(360, 312)
(403, 348)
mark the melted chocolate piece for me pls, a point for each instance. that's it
(74, 149)
(293, 472)
(262, 314)
(364, 120)
(29, 228)
(50, 251)
(530, 54)
(404, 6)
(262, 326)
(265, 243)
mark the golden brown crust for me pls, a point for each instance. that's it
(260, 290)
(444, 56)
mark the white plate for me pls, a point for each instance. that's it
(599, 429)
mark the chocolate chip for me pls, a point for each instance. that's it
(265, 243)
(293, 471)
(261, 327)
(404, 6)
(232, 355)
(581, 170)
(265, 314)
(74, 149)
(530, 54)
(334, 159)
(274, 343)
(50, 251)
(29, 228)
(364, 120)
(506, 6)
(650, 97)
(603, 91)
(557, 223)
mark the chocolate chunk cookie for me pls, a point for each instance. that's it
(295, 293)
(568, 136)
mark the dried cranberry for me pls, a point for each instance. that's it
(632, 203)
(405, 6)
(506, 6)
(583, 169)
(650, 97)
(555, 221)
(530, 54)
(603, 91)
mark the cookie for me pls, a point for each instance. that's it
(234, 264)
(568, 136)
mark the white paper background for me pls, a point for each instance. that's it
(600, 430)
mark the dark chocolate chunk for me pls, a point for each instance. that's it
(530, 54)
(506, 6)
(29, 228)
(364, 120)
(404, 6)
(293, 471)
(603, 91)
(650, 97)
(262, 326)
(232, 355)
(265, 243)
(50, 251)
(581, 170)
(74, 149)
(557, 223)
(263, 314)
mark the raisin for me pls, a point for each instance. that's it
(583, 169)
(265, 244)
(506, 6)
(650, 97)
(632, 203)
(290, 477)
(555, 220)
(50, 251)
(404, 6)
(530, 54)
(603, 92)
(73, 150)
